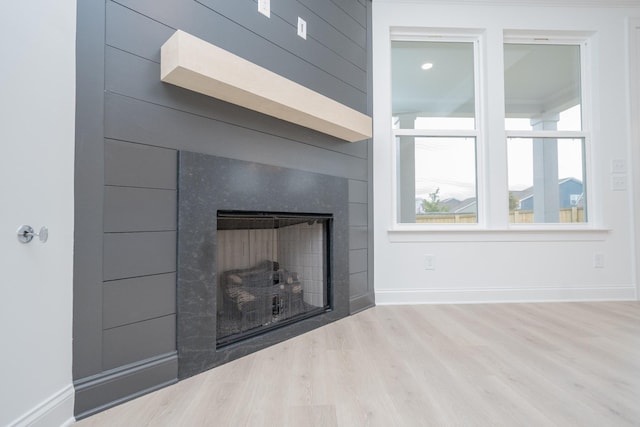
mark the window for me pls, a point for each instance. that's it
(545, 138)
(435, 127)
(445, 173)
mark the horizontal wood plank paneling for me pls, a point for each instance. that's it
(202, 22)
(284, 35)
(358, 284)
(138, 341)
(358, 191)
(138, 254)
(138, 78)
(133, 300)
(357, 260)
(354, 9)
(139, 209)
(328, 36)
(136, 121)
(336, 17)
(358, 214)
(138, 165)
(135, 33)
(358, 237)
(322, 42)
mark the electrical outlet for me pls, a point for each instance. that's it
(302, 28)
(264, 7)
(618, 182)
(598, 260)
(429, 262)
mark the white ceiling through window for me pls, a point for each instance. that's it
(539, 79)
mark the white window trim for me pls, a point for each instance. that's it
(445, 35)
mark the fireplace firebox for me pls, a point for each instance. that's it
(273, 270)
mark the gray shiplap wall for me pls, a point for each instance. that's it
(129, 128)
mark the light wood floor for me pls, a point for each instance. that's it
(564, 364)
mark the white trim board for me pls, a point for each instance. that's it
(53, 411)
(194, 64)
(479, 296)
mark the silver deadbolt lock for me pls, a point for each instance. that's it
(26, 234)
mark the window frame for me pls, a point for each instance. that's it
(445, 36)
(583, 42)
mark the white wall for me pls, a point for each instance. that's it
(37, 109)
(498, 263)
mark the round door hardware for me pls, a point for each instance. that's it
(26, 234)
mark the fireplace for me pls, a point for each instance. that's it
(262, 256)
(273, 270)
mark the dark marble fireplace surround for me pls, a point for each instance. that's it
(208, 184)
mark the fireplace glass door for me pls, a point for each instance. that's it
(273, 270)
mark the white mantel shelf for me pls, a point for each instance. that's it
(197, 65)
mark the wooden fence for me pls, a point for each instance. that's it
(569, 215)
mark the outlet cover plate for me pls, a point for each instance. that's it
(618, 166)
(598, 260)
(264, 7)
(618, 182)
(429, 262)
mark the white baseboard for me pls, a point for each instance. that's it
(57, 410)
(468, 296)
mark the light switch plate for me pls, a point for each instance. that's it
(302, 28)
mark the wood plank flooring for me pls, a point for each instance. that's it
(552, 364)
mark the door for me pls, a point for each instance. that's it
(37, 110)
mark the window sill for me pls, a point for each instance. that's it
(513, 233)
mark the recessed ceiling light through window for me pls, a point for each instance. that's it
(427, 66)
